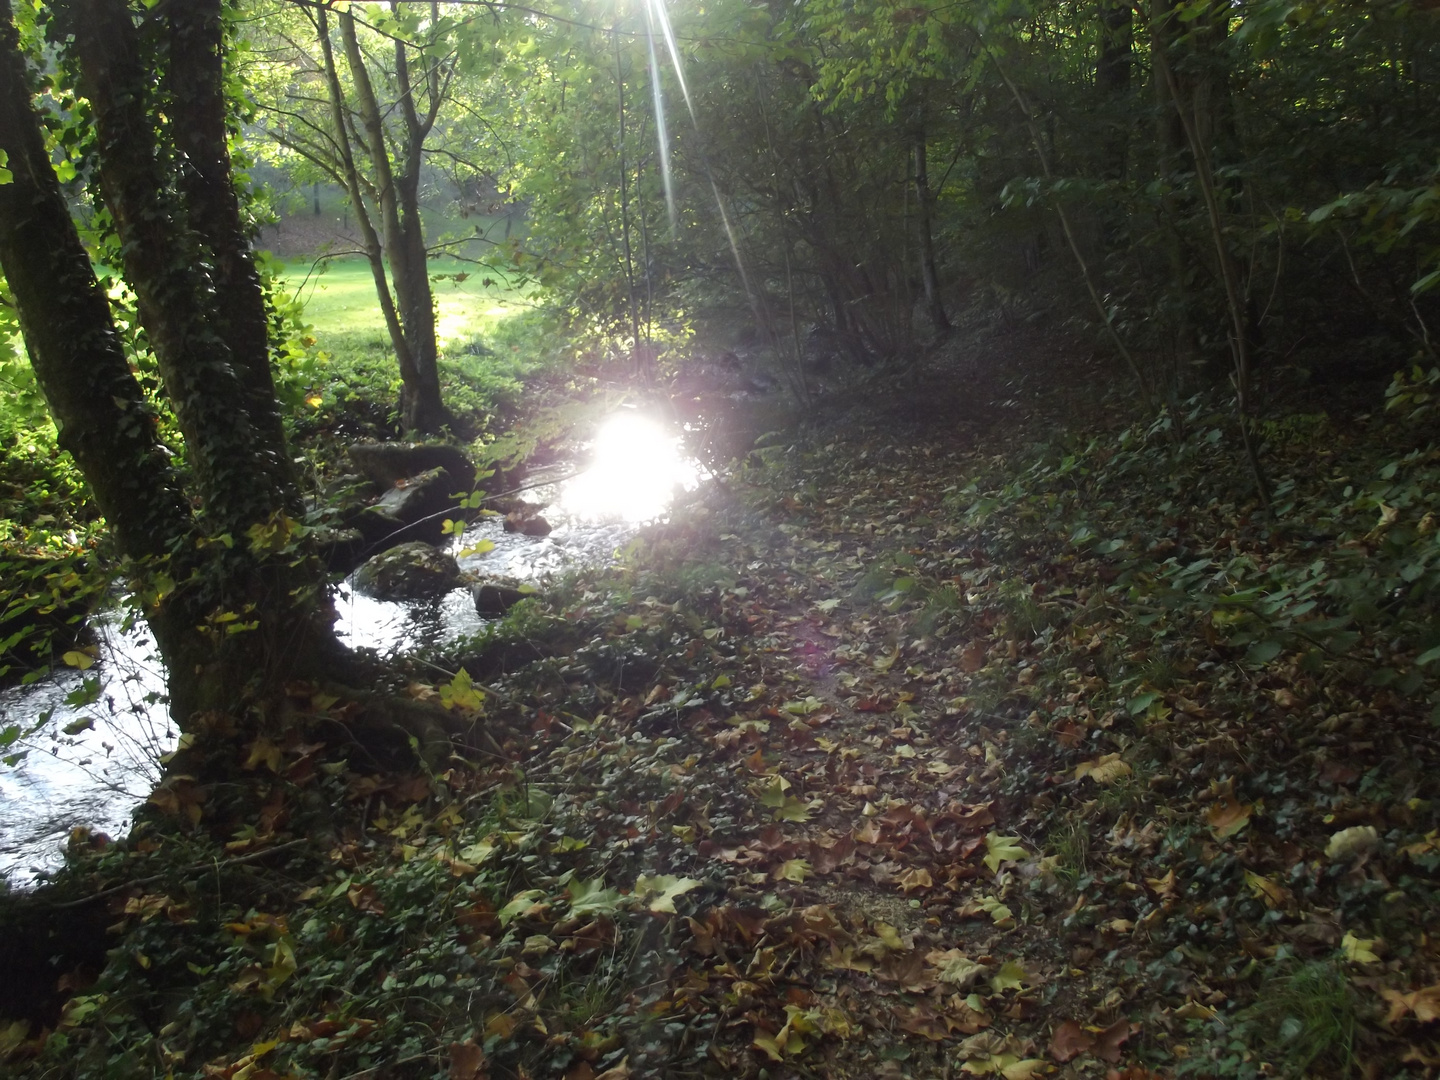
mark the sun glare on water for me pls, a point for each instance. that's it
(638, 467)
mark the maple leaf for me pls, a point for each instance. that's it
(1359, 950)
(915, 879)
(1001, 849)
(1272, 893)
(955, 967)
(796, 870)
(1109, 1041)
(1070, 1040)
(1011, 976)
(1424, 1003)
(1227, 816)
(1106, 769)
(263, 752)
(521, 903)
(662, 891)
(467, 1060)
(1353, 843)
(591, 897)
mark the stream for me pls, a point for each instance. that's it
(99, 755)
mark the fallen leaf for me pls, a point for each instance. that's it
(1353, 843)
(1272, 893)
(1227, 816)
(972, 657)
(364, 898)
(1070, 1040)
(1001, 849)
(955, 967)
(1027, 1069)
(915, 879)
(1359, 950)
(1011, 976)
(1425, 1004)
(796, 870)
(1109, 1041)
(1105, 769)
(661, 891)
(467, 1059)
(616, 1072)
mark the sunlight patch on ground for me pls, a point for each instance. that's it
(638, 467)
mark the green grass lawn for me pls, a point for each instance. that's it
(339, 298)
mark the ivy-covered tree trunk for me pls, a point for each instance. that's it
(239, 610)
(196, 91)
(99, 409)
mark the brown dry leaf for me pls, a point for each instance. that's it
(1425, 1004)
(868, 834)
(467, 1061)
(1069, 734)
(364, 898)
(1227, 816)
(1108, 1042)
(920, 1019)
(1163, 887)
(1070, 1040)
(915, 879)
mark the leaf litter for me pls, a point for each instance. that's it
(897, 755)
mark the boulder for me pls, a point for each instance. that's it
(413, 571)
(388, 463)
(414, 509)
(496, 598)
(528, 522)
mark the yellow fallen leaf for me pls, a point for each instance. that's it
(1352, 843)
(1105, 769)
(1359, 950)
(1001, 849)
(1011, 976)
(1272, 893)
(1227, 816)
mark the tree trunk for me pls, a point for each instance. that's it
(241, 475)
(196, 86)
(374, 249)
(1112, 84)
(246, 610)
(398, 196)
(924, 201)
(99, 409)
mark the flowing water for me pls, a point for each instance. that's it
(99, 755)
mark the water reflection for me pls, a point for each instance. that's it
(637, 469)
(94, 762)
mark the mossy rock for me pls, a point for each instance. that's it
(413, 571)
